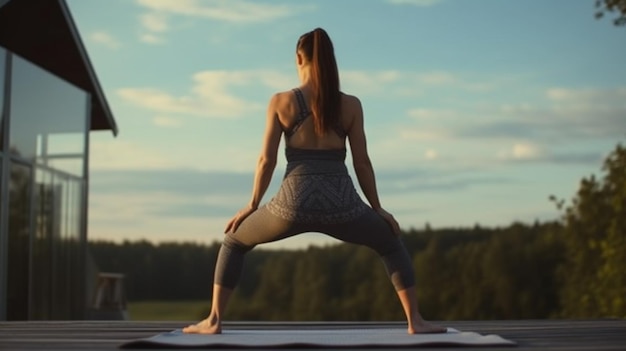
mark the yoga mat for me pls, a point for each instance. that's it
(317, 338)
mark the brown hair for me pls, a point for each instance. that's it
(317, 48)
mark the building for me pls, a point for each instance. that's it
(50, 100)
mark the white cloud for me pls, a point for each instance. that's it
(432, 114)
(522, 151)
(437, 78)
(410, 83)
(422, 134)
(446, 79)
(588, 95)
(549, 129)
(105, 39)
(564, 115)
(572, 113)
(133, 216)
(164, 121)
(211, 94)
(239, 11)
(124, 155)
(167, 154)
(431, 154)
(535, 152)
(154, 22)
(420, 3)
(151, 39)
(154, 25)
(368, 82)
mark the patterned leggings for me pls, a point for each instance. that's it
(262, 226)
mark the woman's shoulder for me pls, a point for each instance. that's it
(281, 98)
(284, 103)
(284, 96)
(350, 101)
(287, 97)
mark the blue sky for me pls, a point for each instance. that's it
(476, 110)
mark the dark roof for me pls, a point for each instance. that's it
(43, 32)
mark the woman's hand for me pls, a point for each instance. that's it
(395, 227)
(234, 223)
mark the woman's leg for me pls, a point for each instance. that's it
(213, 323)
(260, 227)
(372, 231)
(416, 324)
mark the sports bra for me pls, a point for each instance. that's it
(303, 114)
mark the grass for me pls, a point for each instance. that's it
(168, 310)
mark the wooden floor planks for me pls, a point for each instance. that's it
(108, 335)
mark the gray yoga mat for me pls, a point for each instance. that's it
(317, 338)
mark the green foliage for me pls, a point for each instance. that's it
(159, 272)
(503, 274)
(474, 273)
(594, 278)
(612, 6)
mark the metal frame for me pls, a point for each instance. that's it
(31, 236)
(4, 196)
(83, 298)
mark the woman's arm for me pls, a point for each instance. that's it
(267, 159)
(360, 159)
(265, 165)
(363, 165)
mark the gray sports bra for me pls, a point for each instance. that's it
(304, 113)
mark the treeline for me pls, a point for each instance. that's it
(477, 273)
(570, 268)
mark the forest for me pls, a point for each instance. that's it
(572, 267)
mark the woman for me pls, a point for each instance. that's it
(317, 194)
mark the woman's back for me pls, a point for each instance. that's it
(292, 114)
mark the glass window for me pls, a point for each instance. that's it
(3, 56)
(19, 239)
(57, 269)
(48, 118)
(45, 221)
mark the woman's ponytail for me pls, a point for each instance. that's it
(324, 78)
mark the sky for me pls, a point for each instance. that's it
(476, 111)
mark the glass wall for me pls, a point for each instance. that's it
(50, 132)
(3, 181)
(3, 56)
(46, 202)
(46, 199)
(19, 241)
(56, 255)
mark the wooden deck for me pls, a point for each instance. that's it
(108, 335)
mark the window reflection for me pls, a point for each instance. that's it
(50, 131)
(56, 248)
(19, 239)
(3, 56)
(47, 133)
(45, 218)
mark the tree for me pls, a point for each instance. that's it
(612, 6)
(594, 279)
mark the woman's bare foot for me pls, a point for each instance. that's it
(207, 326)
(423, 327)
